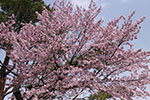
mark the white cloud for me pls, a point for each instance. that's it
(85, 3)
(82, 3)
(124, 1)
(104, 4)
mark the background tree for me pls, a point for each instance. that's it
(24, 12)
(69, 53)
(100, 96)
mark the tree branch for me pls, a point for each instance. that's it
(9, 70)
(3, 76)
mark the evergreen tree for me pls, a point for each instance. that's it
(23, 10)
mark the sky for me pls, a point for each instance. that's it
(115, 8)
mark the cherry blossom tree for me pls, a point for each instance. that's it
(69, 53)
(24, 12)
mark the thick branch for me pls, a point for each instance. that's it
(17, 94)
(8, 70)
(3, 77)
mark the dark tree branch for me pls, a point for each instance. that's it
(17, 94)
(3, 76)
(9, 70)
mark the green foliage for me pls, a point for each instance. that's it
(2, 17)
(23, 10)
(52, 68)
(80, 57)
(74, 63)
(100, 96)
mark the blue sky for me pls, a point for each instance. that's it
(114, 8)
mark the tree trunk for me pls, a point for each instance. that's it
(17, 94)
(3, 77)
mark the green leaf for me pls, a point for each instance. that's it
(52, 68)
(74, 63)
(100, 96)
